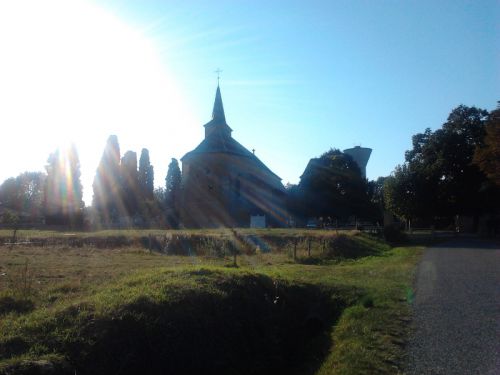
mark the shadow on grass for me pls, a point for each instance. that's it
(10, 304)
(342, 247)
(226, 322)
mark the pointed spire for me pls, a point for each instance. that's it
(218, 124)
(218, 112)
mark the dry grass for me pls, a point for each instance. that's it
(368, 338)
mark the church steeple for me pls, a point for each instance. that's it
(218, 111)
(218, 123)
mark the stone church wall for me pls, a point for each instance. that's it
(220, 189)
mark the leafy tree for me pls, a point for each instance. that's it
(160, 195)
(9, 194)
(400, 194)
(487, 156)
(438, 178)
(448, 167)
(63, 188)
(146, 175)
(376, 194)
(106, 186)
(172, 193)
(30, 185)
(24, 195)
(153, 210)
(332, 186)
(11, 220)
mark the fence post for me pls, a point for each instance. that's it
(309, 247)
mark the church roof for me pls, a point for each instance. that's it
(222, 142)
(218, 111)
(218, 117)
(217, 143)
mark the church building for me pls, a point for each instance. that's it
(225, 185)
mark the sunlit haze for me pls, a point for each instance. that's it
(298, 77)
(72, 72)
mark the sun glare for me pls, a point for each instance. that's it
(72, 72)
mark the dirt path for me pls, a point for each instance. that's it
(457, 310)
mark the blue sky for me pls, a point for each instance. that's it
(299, 77)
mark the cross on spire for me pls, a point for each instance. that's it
(218, 71)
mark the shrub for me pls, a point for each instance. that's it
(394, 235)
(343, 246)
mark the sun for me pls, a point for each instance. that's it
(71, 72)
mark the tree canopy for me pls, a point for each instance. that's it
(172, 192)
(24, 195)
(439, 178)
(106, 186)
(146, 175)
(63, 188)
(331, 187)
(124, 192)
(487, 156)
(129, 184)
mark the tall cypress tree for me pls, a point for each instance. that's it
(63, 189)
(75, 178)
(172, 193)
(146, 175)
(129, 182)
(106, 186)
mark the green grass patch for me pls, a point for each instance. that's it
(340, 309)
(370, 337)
(232, 321)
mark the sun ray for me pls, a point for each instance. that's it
(71, 71)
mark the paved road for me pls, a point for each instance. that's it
(457, 310)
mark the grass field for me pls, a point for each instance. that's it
(357, 287)
(31, 233)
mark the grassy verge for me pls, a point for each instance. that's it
(325, 314)
(370, 337)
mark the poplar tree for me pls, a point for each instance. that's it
(106, 186)
(129, 182)
(146, 175)
(63, 189)
(172, 192)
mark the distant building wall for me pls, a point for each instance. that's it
(361, 155)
